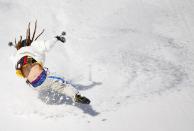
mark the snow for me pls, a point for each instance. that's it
(132, 58)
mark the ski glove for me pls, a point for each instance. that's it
(61, 37)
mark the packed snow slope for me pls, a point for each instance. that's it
(133, 58)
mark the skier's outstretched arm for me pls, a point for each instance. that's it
(45, 46)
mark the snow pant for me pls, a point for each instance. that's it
(58, 84)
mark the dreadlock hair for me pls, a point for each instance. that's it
(27, 41)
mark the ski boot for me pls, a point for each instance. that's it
(81, 99)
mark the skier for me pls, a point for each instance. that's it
(29, 63)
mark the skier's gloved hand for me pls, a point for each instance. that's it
(61, 37)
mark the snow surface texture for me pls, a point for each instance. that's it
(133, 58)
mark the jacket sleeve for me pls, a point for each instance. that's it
(44, 46)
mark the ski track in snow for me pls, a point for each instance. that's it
(143, 76)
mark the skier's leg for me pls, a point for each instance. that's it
(59, 85)
(65, 89)
(69, 90)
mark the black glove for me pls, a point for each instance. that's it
(61, 37)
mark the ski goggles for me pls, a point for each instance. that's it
(24, 61)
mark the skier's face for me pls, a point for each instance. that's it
(31, 71)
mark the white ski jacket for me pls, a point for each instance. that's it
(36, 50)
